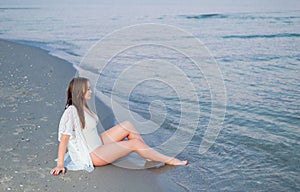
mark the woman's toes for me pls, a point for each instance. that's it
(175, 161)
(185, 162)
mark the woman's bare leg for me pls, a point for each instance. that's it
(110, 152)
(119, 132)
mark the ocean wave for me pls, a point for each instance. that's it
(18, 8)
(205, 16)
(280, 35)
(39, 44)
(264, 17)
(242, 16)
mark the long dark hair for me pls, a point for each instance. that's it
(75, 96)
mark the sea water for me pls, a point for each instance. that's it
(256, 46)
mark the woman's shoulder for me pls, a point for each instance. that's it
(70, 112)
(70, 108)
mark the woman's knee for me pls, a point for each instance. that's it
(129, 127)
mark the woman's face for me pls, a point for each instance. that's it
(88, 94)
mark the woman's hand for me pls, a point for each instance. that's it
(57, 170)
(61, 156)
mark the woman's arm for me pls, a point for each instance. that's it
(62, 147)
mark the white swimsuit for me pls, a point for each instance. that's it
(90, 132)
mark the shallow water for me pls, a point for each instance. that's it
(257, 50)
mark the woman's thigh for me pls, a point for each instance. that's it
(108, 153)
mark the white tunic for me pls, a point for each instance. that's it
(90, 132)
(78, 157)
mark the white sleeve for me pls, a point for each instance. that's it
(67, 122)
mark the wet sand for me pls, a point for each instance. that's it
(33, 85)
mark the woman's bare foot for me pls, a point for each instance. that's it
(175, 161)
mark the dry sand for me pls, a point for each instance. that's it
(33, 85)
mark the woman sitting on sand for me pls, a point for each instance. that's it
(86, 149)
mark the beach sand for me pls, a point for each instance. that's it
(33, 85)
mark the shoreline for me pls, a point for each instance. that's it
(33, 85)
